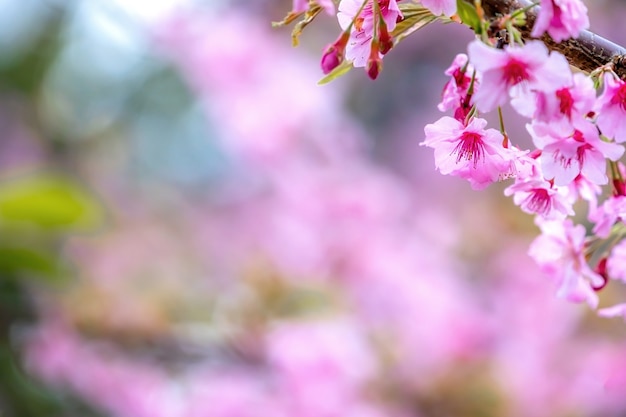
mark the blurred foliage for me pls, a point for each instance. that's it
(37, 211)
(47, 203)
(84, 79)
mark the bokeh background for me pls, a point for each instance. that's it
(191, 227)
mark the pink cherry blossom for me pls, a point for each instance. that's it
(359, 47)
(438, 7)
(562, 19)
(616, 263)
(612, 210)
(580, 153)
(582, 188)
(513, 70)
(611, 108)
(455, 93)
(562, 108)
(535, 195)
(471, 152)
(560, 253)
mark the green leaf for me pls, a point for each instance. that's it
(20, 262)
(415, 18)
(47, 202)
(341, 69)
(469, 15)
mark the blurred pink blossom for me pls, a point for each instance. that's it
(515, 70)
(562, 19)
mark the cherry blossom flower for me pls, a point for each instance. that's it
(359, 47)
(581, 153)
(513, 70)
(562, 19)
(438, 7)
(562, 108)
(611, 108)
(535, 195)
(455, 93)
(560, 253)
(612, 210)
(471, 152)
(582, 188)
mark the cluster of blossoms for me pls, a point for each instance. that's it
(577, 123)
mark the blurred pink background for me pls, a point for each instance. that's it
(246, 243)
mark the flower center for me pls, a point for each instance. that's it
(620, 96)
(462, 80)
(368, 10)
(470, 147)
(566, 102)
(578, 136)
(539, 201)
(515, 72)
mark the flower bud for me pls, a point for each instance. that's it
(331, 59)
(602, 271)
(374, 63)
(386, 41)
(334, 53)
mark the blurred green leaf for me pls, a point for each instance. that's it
(23, 396)
(48, 202)
(27, 73)
(15, 261)
(469, 15)
(341, 69)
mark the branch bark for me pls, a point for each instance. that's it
(588, 52)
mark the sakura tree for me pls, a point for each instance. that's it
(566, 83)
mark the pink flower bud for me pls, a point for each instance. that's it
(374, 67)
(331, 59)
(334, 53)
(374, 63)
(386, 41)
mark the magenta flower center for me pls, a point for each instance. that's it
(578, 136)
(557, 19)
(564, 161)
(582, 151)
(462, 81)
(368, 10)
(566, 102)
(620, 96)
(470, 147)
(539, 201)
(514, 72)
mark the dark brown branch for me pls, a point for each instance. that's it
(588, 52)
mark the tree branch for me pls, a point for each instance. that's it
(588, 52)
